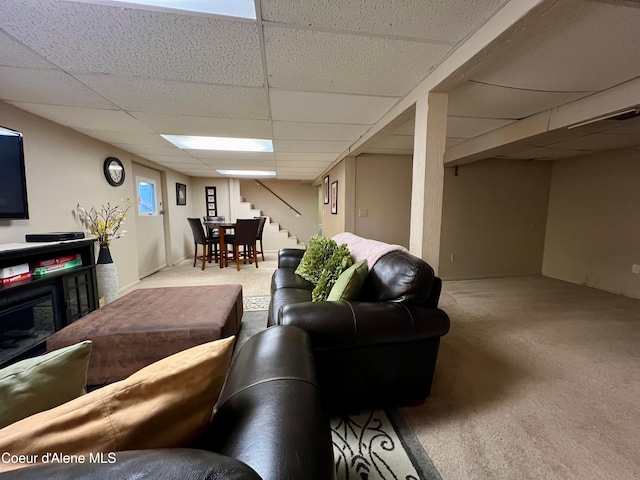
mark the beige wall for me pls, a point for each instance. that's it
(383, 188)
(64, 168)
(593, 231)
(494, 217)
(302, 196)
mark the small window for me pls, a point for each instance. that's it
(147, 204)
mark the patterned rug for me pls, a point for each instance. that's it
(256, 304)
(378, 445)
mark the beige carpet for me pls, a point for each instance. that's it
(254, 281)
(538, 379)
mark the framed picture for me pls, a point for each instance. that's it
(334, 197)
(325, 185)
(181, 194)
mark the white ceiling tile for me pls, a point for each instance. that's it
(317, 131)
(407, 128)
(140, 94)
(327, 107)
(144, 150)
(306, 156)
(318, 61)
(445, 21)
(222, 154)
(466, 127)
(87, 38)
(25, 85)
(306, 163)
(305, 146)
(578, 46)
(15, 54)
(126, 138)
(472, 99)
(451, 141)
(216, 127)
(81, 117)
(174, 161)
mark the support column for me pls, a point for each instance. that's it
(428, 177)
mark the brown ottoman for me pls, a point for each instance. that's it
(149, 324)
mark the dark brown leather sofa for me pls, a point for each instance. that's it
(378, 350)
(269, 423)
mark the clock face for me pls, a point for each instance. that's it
(114, 171)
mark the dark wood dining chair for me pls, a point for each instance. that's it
(246, 236)
(200, 238)
(263, 220)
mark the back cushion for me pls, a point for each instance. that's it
(398, 276)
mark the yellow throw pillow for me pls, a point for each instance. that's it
(40, 383)
(167, 404)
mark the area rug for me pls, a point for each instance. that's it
(372, 445)
(378, 445)
(256, 303)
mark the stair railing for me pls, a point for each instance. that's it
(298, 214)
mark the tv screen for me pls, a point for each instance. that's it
(13, 181)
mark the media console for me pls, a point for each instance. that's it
(34, 309)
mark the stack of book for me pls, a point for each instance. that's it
(14, 273)
(56, 264)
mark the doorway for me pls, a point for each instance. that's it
(149, 213)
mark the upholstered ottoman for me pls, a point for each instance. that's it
(149, 324)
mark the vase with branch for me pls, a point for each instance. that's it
(106, 225)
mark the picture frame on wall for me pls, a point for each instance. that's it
(334, 197)
(325, 185)
(181, 194)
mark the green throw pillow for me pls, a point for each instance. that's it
(318, 253)
(338, 263)
(350, 282)
(40, 383)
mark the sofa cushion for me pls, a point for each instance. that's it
(315, 257)
(340, 260)
(398, 276)
(287, 278)
(350, 282)
(166, 404)
(40, 383)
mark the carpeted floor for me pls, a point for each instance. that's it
(538, 379)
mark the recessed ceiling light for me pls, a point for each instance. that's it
(248, 173)
(228, 8)
(220, 143)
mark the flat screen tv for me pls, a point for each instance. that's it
(13, 181)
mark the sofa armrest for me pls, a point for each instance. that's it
(289, 257)
(347, 324)
(270, 392)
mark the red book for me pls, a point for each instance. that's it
(16, 278)
(54, 261)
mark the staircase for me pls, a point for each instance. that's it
(273, 237)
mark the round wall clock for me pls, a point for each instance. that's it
(114, 171)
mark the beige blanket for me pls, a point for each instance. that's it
(361, 248)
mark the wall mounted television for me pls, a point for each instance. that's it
(13, 181)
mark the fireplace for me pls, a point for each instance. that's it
(26, 325)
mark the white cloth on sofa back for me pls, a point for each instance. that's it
(361, 248)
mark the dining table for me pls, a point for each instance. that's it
(222, 228)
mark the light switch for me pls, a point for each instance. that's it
(362, 212)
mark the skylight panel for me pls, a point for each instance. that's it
(187, 142)
(247, 173)
(228, 8)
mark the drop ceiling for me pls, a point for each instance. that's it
(316, 77)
